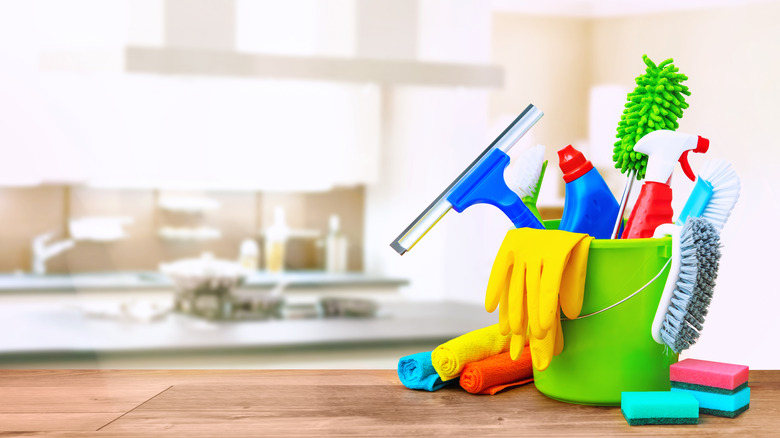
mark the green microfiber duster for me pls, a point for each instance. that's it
(656, 103)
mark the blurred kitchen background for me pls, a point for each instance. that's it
(145, 142)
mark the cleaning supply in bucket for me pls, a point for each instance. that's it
(497, 373)
(687, 294)
(589, 206)
(416, 372)
(656, 103)
(659, 407)
(721, 388)
(524, 176)
(450, 357)
(714, 195)
(654, 205)
(481, 182)
(536, 274)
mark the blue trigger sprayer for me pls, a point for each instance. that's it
(589, 207)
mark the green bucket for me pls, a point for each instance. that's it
(613, 351)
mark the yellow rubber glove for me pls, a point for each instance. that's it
(536, 273)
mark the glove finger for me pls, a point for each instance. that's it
(550, 285)
(499, 275)
(516, 346)
(517, 299)
(533, 272)
(542, 349)
(558, 336)
(573, 279)
(524, 320)
(503, 314)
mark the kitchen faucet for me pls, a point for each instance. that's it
(41, 252)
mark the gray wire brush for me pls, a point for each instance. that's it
(696, 254)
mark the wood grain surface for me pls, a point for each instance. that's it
(249, 403)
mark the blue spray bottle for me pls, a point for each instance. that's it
(590, 207)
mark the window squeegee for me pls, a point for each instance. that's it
(481, 183)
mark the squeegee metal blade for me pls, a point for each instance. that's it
(440, 206)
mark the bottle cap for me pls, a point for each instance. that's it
(334, 223)
(573, 163)
(249, 248)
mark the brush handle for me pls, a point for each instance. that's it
(697, 201)
(485, 185)
(530, 201)
(624, 202)
(671, 279)
(531, 204)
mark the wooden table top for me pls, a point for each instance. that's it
(249, 403)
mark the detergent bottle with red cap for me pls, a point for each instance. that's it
(664, 149)
(589, 207)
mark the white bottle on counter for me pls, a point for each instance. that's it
(249, 255)
(335, 248)
(275, 242)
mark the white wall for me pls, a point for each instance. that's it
(430, 136)
(547, 63)
(435, 134)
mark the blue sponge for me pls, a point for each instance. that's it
(659, 407)
(721, 405)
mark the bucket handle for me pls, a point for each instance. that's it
(626, 298)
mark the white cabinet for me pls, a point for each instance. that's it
(181, 132)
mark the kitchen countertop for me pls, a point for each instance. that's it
(10, 283)
(250, 403)
(59, 329)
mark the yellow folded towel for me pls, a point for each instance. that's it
(450, 357)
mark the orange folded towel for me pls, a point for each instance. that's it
(496, 373)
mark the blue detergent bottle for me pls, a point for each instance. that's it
(589, 207)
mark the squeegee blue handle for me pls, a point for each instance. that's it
(485, 185)
(697, 201)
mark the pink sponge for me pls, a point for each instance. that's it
(703, 373)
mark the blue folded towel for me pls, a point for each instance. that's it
(416, 372)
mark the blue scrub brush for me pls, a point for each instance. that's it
(714, 195)
(524, 176)
(689, 286)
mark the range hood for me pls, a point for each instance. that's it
(203, 37)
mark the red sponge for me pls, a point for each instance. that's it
(704, 373)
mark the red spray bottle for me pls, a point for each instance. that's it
(654, 205)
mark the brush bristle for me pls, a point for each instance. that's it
(700, 258)
(523, 172)
(672, 329)
(725, 191)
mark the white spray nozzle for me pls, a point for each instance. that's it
(665, 148)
